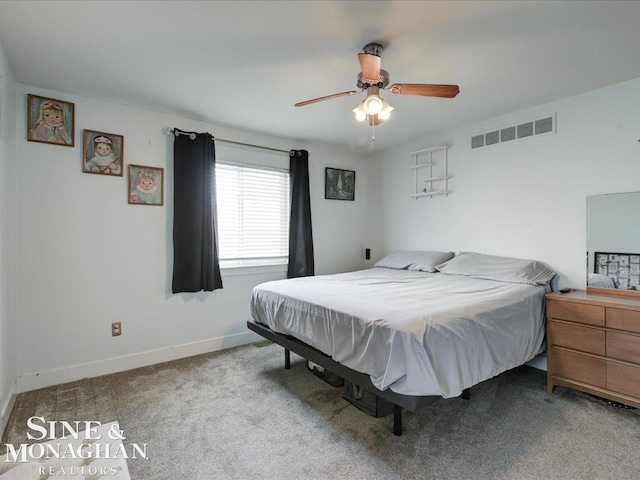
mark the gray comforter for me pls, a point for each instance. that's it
(413, 332)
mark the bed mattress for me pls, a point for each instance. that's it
(413, 332)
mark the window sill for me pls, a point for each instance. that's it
(232, 271)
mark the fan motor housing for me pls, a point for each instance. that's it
(373, 49)
(382, 83)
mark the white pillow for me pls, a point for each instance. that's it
(502, 269)
(414, 260)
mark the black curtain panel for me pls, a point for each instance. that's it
(195, 239)
(300, 234)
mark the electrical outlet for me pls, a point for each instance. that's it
(116, 329)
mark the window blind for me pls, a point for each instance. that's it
(253, 215)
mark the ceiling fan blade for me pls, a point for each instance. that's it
(425, 90)
(328, 97)
(374, 120)
(370, 66)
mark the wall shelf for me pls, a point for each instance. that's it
(429, 194)
(430, 165)
(422, 165)
(435, 179)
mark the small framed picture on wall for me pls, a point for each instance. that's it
(339, 184)
(103, 153)
(146, 185)
(50, 121)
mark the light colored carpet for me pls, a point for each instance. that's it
(238, 414)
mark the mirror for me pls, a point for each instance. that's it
(613, 243)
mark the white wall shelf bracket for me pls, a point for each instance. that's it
(425, 160)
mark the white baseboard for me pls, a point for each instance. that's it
(47, 378)
(7, 405)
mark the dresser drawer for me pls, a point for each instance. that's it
(576, 312)
(577, 366)
(623, 379)
(623, 346)
(585, 339)
(623, 319)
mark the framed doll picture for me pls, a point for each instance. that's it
(103, 153)
(146, 185)
(50, 121)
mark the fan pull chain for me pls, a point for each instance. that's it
(373, 133)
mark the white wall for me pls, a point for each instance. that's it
(523, 199)
(8, 351)
(86, 258)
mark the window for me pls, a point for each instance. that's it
(253, 215)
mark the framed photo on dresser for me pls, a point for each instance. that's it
(622, 268)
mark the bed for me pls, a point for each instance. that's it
(599, 280)
(414, 328)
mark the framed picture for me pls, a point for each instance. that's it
(339, 184)
(102, 153)
(622, 268)
(146, 185)
(50, 121)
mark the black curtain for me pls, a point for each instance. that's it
(195, 240)
(300, 234)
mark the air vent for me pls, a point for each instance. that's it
(492, 138)
(516, 132)
(544, 126)
(507, 134)
(525, 130)
(477, 141)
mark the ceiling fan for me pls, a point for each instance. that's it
(373, 79)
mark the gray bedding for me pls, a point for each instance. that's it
(416, 333)
(600, 281)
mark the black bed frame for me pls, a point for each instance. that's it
(400, 402)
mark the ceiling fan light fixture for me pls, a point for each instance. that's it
(373, 104)
(385, 113)
(359, 111)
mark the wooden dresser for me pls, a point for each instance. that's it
(593, 345)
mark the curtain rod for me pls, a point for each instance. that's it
(192, 136)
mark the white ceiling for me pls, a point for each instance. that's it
(246, 63)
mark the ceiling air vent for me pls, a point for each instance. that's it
(516, 132)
